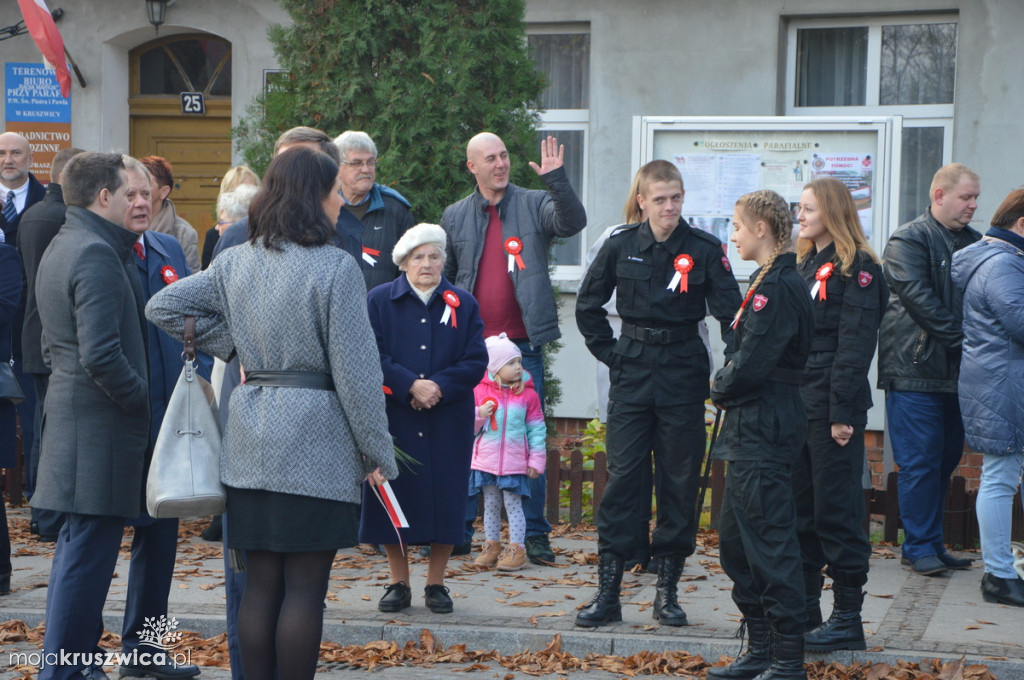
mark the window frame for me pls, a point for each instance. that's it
(570, 120)
(874, 25)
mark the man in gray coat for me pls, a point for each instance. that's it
(97, 414)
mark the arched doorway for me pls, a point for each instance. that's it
(198, 146)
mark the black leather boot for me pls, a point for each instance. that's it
(787, 658)
(605, 607)
(753, 660)
(813, 583)
(666, 606)
(844, 629)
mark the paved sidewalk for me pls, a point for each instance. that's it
(908, 617)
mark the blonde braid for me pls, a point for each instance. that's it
(771, 208)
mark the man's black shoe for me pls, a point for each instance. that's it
(928, 566)
(1003, 590)
(214, 530)
(397, 596)
(538, 549)
(952, 562)
(437, 599)
(167, 671)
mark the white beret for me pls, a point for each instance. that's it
(417, 236)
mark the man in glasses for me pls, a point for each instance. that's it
(381, 214)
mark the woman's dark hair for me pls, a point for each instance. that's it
(289, 205)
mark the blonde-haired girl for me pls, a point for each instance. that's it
(761, 436)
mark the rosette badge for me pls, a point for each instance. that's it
(513, 246)
(168, 274)
(681, 278)
(451, 300)
(821, 276)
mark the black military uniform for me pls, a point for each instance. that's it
(659, 380)
(761, 436)
(827, 477)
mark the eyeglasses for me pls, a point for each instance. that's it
(361, 164)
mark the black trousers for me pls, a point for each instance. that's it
(676, 436)
(830, 505)
(758, 546)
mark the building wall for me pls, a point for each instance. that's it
(99, 34)
(695, 58)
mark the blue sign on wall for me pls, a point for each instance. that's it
(33, 94)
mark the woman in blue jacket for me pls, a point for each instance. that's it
(991, 275)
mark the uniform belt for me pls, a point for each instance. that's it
(787, 376)
(825, 343)
(307, 379)
(659, 336)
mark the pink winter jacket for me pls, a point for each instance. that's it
(519, 441)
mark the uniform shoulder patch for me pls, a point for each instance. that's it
(759, 302)
(864, 279)
(725, 263)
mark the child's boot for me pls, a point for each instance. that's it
(513, 558)
(489, 554)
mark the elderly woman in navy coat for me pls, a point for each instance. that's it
(10, 298)
(432, 353)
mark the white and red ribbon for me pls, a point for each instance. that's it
(818, 290)
(494, 413)
(386, 495)
(370, 255)
(451, 300)
(513, 246)
(683, 264)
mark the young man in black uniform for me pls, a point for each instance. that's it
(667, 276)
(761, 437)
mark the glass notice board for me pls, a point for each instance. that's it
(721, 159)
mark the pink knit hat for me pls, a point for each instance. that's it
(500, 351)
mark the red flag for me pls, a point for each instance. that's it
(44, 32)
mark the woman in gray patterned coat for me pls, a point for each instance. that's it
(308, 424)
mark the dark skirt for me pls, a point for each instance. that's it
(282, 522)
(517, 484)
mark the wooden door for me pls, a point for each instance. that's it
(199, 149)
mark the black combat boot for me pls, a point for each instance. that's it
(753, 660)
(605, 607)
(844, 629)
(666, 607)
(787, 658)
(813, 582)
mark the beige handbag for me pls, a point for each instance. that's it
(184, 475)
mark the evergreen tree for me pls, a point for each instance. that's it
(419, 76)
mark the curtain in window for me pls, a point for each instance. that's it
(832, 66)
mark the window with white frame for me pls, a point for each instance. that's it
(889, 65)
(562, 54)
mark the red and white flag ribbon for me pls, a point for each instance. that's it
(386, 495)
(451, 300)
(513, 246)
(818, 290)
(370, 255)
(683, 264)
(43, 28)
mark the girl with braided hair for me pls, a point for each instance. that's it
(761, 436)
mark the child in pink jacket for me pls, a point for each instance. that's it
(509, 449)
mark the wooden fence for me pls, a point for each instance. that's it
(565, 470)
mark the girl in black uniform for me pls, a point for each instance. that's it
(849, 293)
(761, 436)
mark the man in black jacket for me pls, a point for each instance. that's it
(380, 214)
(919, 362)
(39, 224)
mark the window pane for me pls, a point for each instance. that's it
(918, 64)
(567, 251)
(198, 59)
(565, 60)
(922, 156)
(832, 66)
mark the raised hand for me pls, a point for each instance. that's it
(552, 156)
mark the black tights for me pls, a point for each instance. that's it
(281, 618)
